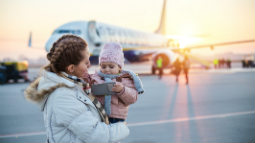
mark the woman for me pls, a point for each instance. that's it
(69, 113)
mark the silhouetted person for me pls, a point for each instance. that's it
(250, 63)
(220, 63)
(224, 63)
(177, 69)
(243, 63)
(228, 63)
(186, 66)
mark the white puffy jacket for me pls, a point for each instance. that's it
(70, 116)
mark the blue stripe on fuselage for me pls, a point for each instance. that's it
(131, 56)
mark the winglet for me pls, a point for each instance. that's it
(30, 40)
(162, 25)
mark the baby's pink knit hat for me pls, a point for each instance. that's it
(112, 52)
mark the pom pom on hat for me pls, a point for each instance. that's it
(112, 52)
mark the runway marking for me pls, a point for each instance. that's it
(22, 134)
(234, 70)
(146, 123)
(190, 119)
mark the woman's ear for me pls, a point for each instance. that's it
(70, 69)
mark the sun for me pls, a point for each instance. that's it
(183, 41)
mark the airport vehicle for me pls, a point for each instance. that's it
(137, 46)
(14, 71)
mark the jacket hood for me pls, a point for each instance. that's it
(44, 85)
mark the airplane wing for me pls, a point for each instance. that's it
(206, 63)
(212, 46)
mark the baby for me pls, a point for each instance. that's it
(127, 84)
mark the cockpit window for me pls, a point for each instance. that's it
(63, 31)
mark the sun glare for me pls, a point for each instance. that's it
(184, 41)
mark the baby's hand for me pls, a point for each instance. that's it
(118, 87)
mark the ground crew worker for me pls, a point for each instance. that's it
(186, 66)
(216, 63)
(159, 62)
(177, 69)
(228, 63)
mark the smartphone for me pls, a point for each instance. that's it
(103, 89)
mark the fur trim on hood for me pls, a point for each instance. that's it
(32, 93)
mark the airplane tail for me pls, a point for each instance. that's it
(30, 40)
(162, 25)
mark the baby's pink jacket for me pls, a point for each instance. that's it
(120, 101)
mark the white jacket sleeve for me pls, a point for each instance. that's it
(79, 119)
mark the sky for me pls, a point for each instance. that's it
(211, 21)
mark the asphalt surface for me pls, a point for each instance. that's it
(217, 106)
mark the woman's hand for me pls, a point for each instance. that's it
(118, 87)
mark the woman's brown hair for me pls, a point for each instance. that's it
(65, 51)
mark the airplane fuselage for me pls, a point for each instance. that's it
(97, 34)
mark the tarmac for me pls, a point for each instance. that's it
(216, 106)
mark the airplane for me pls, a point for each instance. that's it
(137, 45)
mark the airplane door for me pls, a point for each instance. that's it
(94, 34)
(94, 37)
